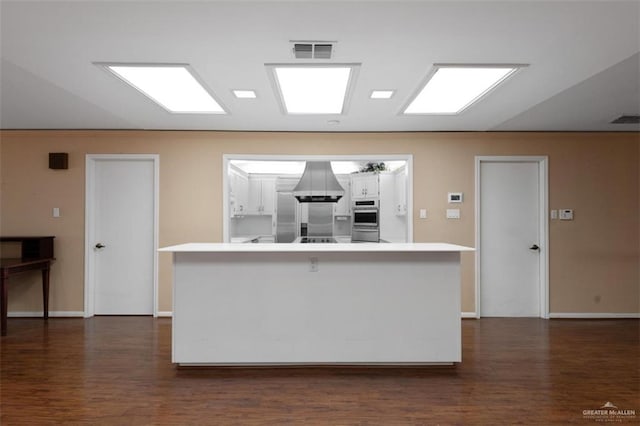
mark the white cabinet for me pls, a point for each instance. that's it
(364, 185)
(268, 195)
(343, 206)
(261, 195)
(239, 193)
(393, 225)
(400, 192)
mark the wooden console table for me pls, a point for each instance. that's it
(36, 254)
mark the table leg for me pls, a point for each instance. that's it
(3, 303)
(45, 292)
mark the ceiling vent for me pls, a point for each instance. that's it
(627, 119)
(312, 49)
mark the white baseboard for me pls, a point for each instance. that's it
(594, 315)
(169, 314)
(38, 314)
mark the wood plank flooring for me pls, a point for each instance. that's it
(118, 371)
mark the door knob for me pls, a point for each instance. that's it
(534, 247)
(100, 246)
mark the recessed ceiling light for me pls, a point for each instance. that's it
(174, 87)
(314, 89)
(452, 88)
(244, 94)
(382, 94)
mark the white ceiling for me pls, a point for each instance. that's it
(584, 61)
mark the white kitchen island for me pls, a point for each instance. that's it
(278, 304)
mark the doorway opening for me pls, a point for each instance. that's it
(248, 209)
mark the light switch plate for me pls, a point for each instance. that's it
(453, 213)
(423, 213)
(554, 214)
(56, 212)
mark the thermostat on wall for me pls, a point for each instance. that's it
(455, 197)
(566, 214)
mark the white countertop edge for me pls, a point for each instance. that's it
(293, 248)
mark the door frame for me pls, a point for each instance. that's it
(89, 231)
(543, 225)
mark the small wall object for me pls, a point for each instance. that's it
(566, 214)
(59, 160)
(454, 197)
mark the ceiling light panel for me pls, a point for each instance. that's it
(313, 89)
(382, 94)
(174, 87)
(450, 89)
(244, 94)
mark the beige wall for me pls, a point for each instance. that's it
(594, 260)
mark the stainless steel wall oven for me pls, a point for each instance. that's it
(366, 221)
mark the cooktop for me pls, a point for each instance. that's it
(315, 240)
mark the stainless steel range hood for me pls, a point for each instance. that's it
(318, 184)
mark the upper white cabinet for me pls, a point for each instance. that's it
(364, 185)
(262, 192)
(239, 193)
(400, 192)
(343, 206)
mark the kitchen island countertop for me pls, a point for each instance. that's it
(338, 303)
(336, 247)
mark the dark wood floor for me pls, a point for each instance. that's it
(117, 370)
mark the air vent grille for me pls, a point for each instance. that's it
(312, 50)
(322, 51)
(627, 119)
(303, 51)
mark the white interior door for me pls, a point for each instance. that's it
(121, 240)
(510, 238)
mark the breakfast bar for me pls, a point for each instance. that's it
(316, 304)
